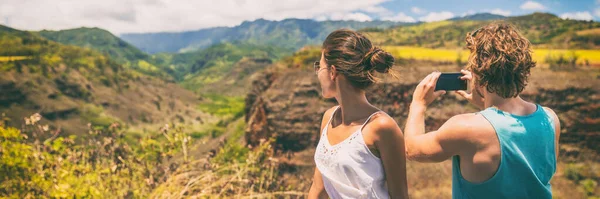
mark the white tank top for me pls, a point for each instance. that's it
(349, 169)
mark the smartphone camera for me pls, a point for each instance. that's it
(451, 82)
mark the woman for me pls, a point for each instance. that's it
(361, 149)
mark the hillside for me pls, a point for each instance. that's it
(97, 39)
(108, 45)
(207, 70)
(72, 86)
(226, 67)
(290, 34)
(542, 29)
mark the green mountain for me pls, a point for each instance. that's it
(479, 17)
(97, 39)
(542, 29)
(219, 67)
(107, 44)
(71, 86)
(289, 34)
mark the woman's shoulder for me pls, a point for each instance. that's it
(381, 123)
(328, 113)
(382, 120)
(380, 127)
(326, 116)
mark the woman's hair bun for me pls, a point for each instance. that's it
(379, 60)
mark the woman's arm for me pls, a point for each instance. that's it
(316, 189)
(389, 141)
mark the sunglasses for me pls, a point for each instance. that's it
(317, 67)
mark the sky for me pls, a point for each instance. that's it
(141, 16)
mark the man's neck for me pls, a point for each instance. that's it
(515, 105)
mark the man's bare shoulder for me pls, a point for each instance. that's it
(471, 127)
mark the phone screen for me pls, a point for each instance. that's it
(451, 82)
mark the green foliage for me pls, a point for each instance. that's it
(584, 174)
(573, 172)
(16, 161)
(211, 64)
(233, 151)
(103, 165)
(303, 58)
(589, 186)
(222, 105)
(96, 116)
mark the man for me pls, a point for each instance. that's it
(507, 150)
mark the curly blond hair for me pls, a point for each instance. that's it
(500, 59)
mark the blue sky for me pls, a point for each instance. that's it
(580, 9)
(135, 16)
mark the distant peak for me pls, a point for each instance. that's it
(479, 17)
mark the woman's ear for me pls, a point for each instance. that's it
(332, 72)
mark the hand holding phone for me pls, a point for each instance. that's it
(451, 82)
(474, 98)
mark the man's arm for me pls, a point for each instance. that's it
(436, 146)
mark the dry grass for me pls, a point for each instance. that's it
(235, 171)
(594, 31)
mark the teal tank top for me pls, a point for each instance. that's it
(527, 162)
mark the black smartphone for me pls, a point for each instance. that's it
(451, 82)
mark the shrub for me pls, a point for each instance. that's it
(103, 165)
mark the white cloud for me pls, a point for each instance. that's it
(321, 18)
(577, 16)
(356, 16)
(597, 11)
(470, 12)
(499, 11)
(121, 16)
(417, 10)
(401, 17)
(436, 16)
(532, 5)
(381, 11)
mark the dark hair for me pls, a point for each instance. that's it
(500, 58)
(356, 58)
